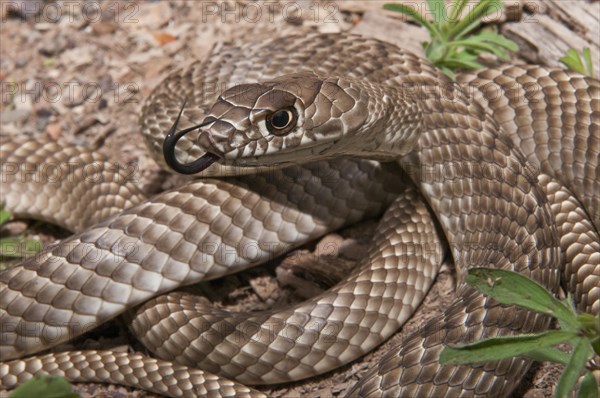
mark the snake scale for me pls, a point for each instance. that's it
(506, 160)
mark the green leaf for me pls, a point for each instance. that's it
(490, 36)
(17, 247)
(448, 72)
(487, 41)
(4, 216)
(549, 354)
(44, 386)
(590, 325)
(587, 57)
(493, 7)
(463, 61)
(436, 52)
(10, 247)
(485, 8)
(411, 12)
(588, 387)
(32, 246)
(511, 288)
(482, 9)
(596, 345)
(438, 10)
(572, 61)
(456, 10)
(502, 347)
(500, 44)
(480, 46)
(467, 29)
(581, 353)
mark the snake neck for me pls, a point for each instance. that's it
(464, 164)
(394, 115)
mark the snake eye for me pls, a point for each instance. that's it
(282, 121)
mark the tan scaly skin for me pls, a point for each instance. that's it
(512, 182)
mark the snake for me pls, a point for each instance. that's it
(315, 132)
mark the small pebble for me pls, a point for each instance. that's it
(54, 130)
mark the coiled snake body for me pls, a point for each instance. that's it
(507, 160)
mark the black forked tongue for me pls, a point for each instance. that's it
(171, 140)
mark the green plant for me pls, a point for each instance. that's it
(44, 386)
(581, 331)
(572, 60)
(453, 44)
(18, 246)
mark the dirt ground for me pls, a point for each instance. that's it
(80, 70)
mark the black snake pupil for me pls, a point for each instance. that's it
(281, 119)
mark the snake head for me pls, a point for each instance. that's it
(291, 119)
(302, 117)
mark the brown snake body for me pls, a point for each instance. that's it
(532, 209)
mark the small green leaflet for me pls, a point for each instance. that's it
(581, 353)
(514, 289)
(44, 386)
(4, 216)
(502, 347)
(589, 387)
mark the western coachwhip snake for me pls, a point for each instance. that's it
(511, 174)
